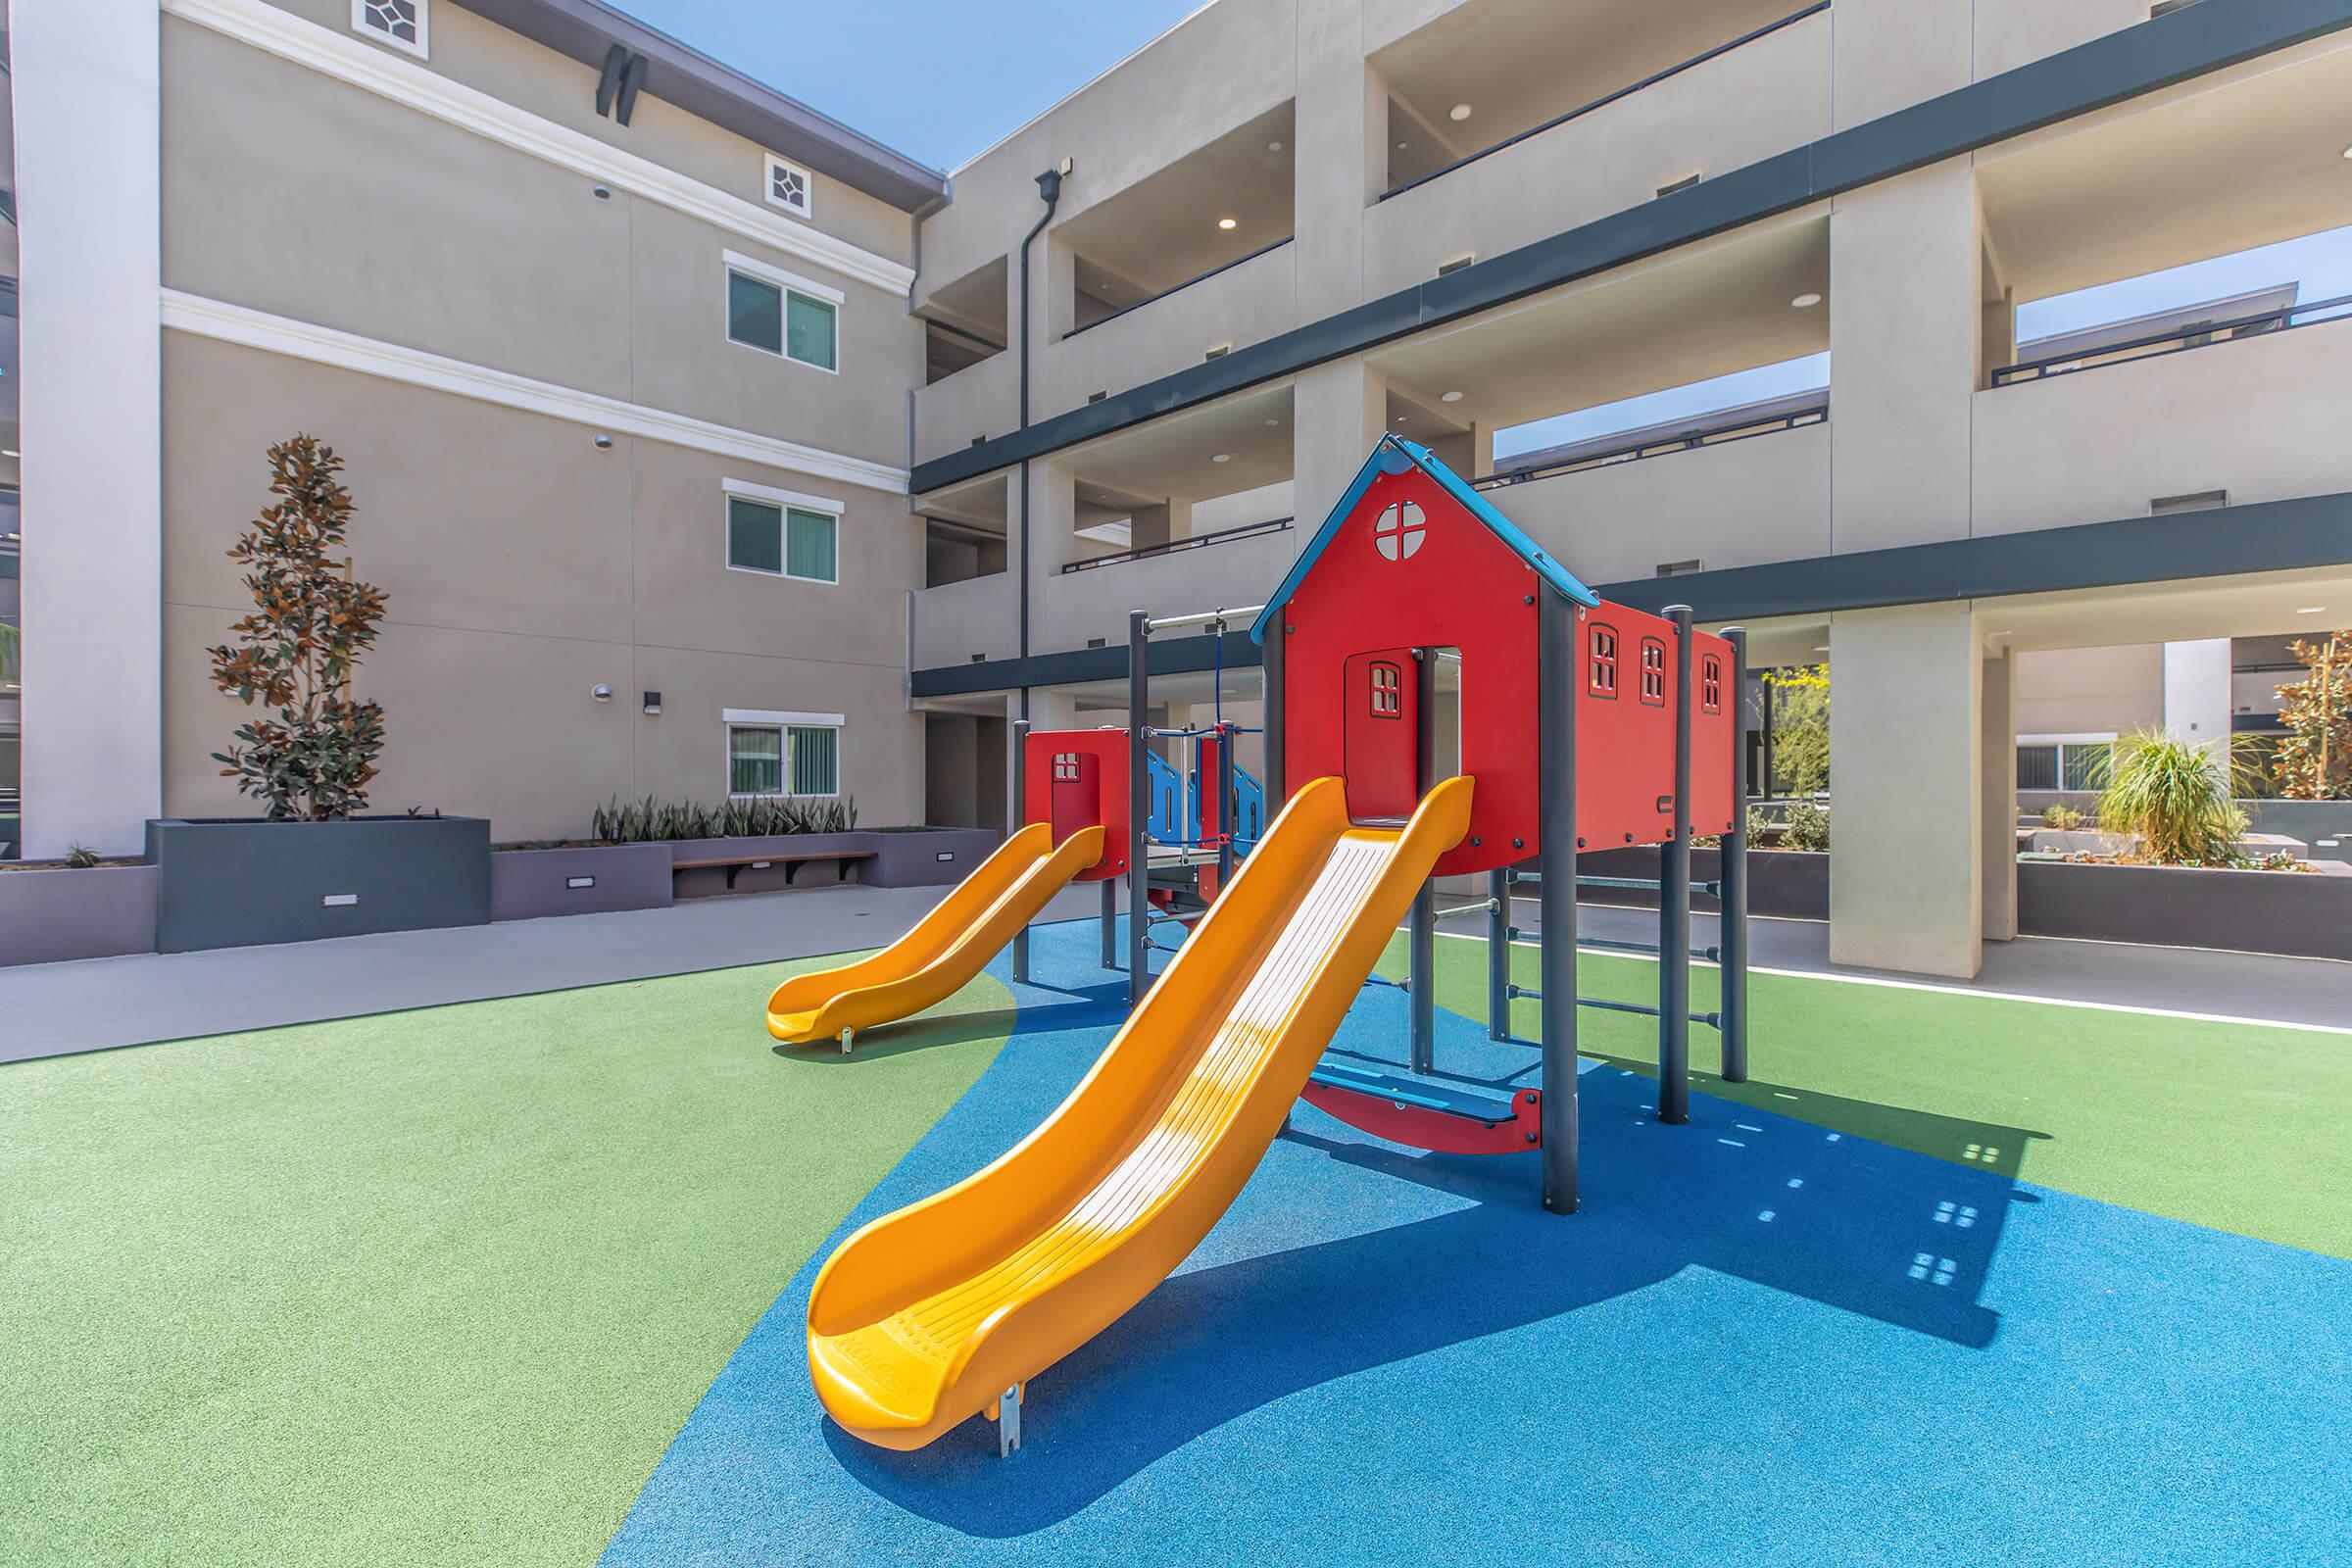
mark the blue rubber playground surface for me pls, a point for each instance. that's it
(1761, 1341)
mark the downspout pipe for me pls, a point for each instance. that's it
(1049, 186)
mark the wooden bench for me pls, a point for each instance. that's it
(736, 864)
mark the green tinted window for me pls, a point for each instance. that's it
(810, 545)
(755, 535)
(809, 330)
(816, 762)
(754, 759)
(754, 312)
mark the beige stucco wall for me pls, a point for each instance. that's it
(2091, 691)
(480, 54)
(462, 247)
(523, 567)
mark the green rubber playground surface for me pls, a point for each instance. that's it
(428, 1288)
(2236, 1126)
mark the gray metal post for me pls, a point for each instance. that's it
(1674, 900)
(1733, 1007)
(1270, 680)
(1111, 922)
(1020, 819)
(1556, 686)
(1423, 998)
(1138, 805)
(1498, 954)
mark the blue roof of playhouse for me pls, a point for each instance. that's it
(1394, 455)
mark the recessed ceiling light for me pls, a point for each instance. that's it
(1807, 301)
(1821, 648)
(1221, 457)
(1271, 424)
(1451, 397)
(10, 452)
(1273, 146)
(2312, 609)
(1225, 222)
(1402, 146)
(1400, 419)
(2348, 152)
(1458, 112)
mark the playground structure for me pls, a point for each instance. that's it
(947, 1308)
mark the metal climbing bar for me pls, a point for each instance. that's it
(1482, 906)
(1642, 1007)
(1206, 617)
(1643, 884)
(1610, 943)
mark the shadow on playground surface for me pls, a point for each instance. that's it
(1747, 1292)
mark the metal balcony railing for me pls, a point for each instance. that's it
(2180, 340)
(1606, 99)
(1688, 440)
(1198, 541)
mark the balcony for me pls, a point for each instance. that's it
(1731, 495)
(1759, 86)
(974, 404)
(1090, 600)
(2252, 415)
(963, 622)
(1241, 303)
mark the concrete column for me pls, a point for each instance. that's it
(1340, 138)
(1906, 335)
(1339, 412)
(1998, 771)
(1053, 541)
(2196, 694)
(88, 93)
(1885, 54)
(1906, 822)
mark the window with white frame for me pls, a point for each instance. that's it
(783, 753)
(2076, 762)
(788, 186)
(782, 534)
(402, 24)
(779, 313)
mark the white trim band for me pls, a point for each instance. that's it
(771, 716)
(414, 86)
(347, 351)
(781, 498)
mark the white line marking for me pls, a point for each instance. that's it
(1966, 991)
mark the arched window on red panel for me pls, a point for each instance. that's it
(1710, 684)
(1653, 672)
(1604, 661)
(1387, 691)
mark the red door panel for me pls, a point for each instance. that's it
(1381, 721)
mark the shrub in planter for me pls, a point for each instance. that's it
(2060, 817)
(2175, 799)
(1808, 827)
(312, 760)
(652, 819)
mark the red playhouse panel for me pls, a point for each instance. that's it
(1416, 1127)
(1624, 728)
(1382, 726)
(1075, 779)
(1412, 568)
(1714, 732)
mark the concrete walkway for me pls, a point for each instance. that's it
(2112, 974)
(99, 1003)
(54, 1009)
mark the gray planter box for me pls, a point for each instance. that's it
(2302, 913)
(50, 915)
(234, 883)
(929, 856)
(1787, 884)
(596, 879)
(2325, 826)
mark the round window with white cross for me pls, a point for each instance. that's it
(1398, 530)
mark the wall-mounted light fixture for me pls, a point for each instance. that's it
(601, 691)
(653, 702)
(603, 442)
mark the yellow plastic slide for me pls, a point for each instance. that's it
(945, 950)
(936, 1312)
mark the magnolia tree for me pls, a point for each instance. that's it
(2314, 760)
(312, 760)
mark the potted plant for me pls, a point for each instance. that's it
(314, 865)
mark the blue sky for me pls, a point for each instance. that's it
(994, 64)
